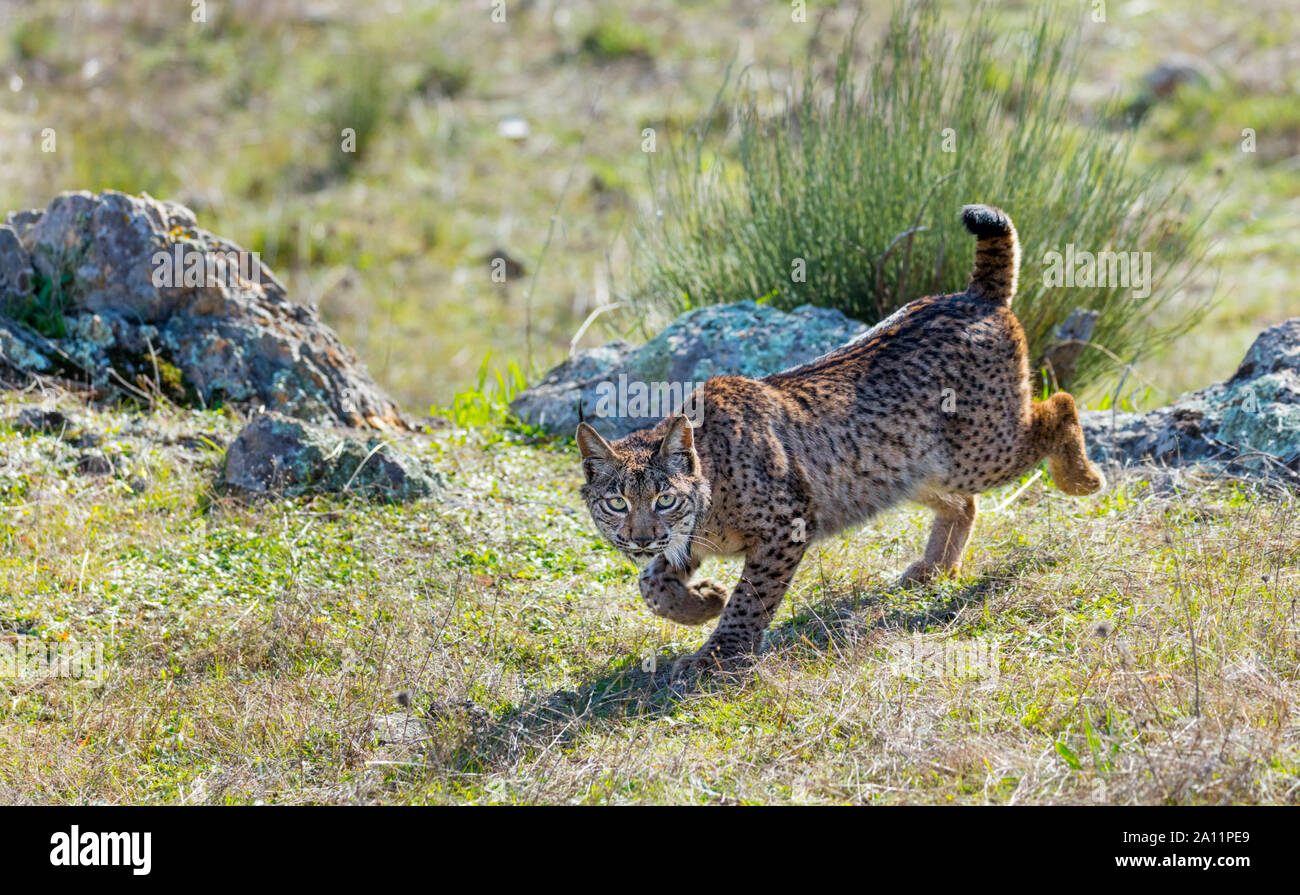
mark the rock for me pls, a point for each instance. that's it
(461, 710)
(277, 455)
(15, 268)
(39, 421)
(1250, 423)
(502, 264)
(1172, 73)
(20, 350)
(94, 464)
(1274, 350)
(147, 298)
(623, 388)
(1071, 337)
(1166, 79)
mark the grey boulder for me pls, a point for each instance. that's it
(132, 294)
(623, 387)
(1249, 423)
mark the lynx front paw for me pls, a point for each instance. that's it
(711, 596)
(729, 652)
(1094, 481)
(686, 604)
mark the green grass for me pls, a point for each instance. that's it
(486, 405)
(390, 243)
(251, 648)
(848, 196)
(43, 309)
(614, 37)
(255, 653)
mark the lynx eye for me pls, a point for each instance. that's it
(617, 504)
(665, 501)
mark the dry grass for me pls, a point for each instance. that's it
(1147, 640)
(236, 118)
(1147, 650)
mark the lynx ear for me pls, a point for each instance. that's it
(595, 450)
(679, 443)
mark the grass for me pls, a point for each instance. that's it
(847, 196)
(1147, 646)
(252, 651)
(235, 118)
(487, 405)
(43, 309)
(614, 37)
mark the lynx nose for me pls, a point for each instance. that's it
(641, 542)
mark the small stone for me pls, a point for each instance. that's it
(37, 420)
(94, 464)
(500, 260)
(398, 729)
(1173, 73)
(512, 127)
(15, 268)
(275, 455)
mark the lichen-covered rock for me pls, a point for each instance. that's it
(275, 455)
(623, 387)
(1249, 423)
(20, 352)
(15, 267)
(127, 289)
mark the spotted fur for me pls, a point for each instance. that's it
(933, 405)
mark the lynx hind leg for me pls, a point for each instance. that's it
(1057, 434)
(954, 516)
(668, 593)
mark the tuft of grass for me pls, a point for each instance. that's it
(488, 403)
(848, 196)
(446, 77)
(34, 38)
(615, 37)
(42, 310)
(359, 96)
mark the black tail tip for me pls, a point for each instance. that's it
(985, 220)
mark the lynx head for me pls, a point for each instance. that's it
(646, 492)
